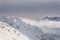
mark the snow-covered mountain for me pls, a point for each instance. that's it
(9, 33)
(48, 26)
(29, 30)
(52, 18)
(33, 29)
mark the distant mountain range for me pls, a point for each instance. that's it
(52, 18)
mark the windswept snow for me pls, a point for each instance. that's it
(8, 33)
(47, 26)
(41, 23)
(1, 38)
(29, 29)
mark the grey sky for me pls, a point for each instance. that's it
(26, 1)
(30, 8)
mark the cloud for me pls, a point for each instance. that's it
(26, 1)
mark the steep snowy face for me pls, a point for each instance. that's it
(29, 30)
(9, 33)
(12, 21)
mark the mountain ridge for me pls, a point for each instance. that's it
(35, 30)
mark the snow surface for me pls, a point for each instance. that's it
(53, 24)
(33, 29)
(8, 33)
(47, 26)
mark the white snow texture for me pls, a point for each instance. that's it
(17, 28)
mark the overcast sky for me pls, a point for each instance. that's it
(30, 8)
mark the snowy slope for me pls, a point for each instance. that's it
(35, 30)
(42, 23)
(8, 33)
(29, 30)
(48, 26)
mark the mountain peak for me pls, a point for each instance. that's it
(52, 18)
